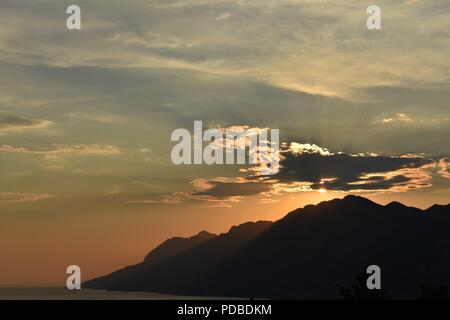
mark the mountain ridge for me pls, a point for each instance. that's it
(310, 252)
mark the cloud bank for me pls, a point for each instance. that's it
(308, 167)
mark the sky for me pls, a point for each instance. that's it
(86, 117)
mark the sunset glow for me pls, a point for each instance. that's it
(90, 120)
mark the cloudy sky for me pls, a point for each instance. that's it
(86, 117)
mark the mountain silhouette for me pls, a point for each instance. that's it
(313, 252)
(175, 246)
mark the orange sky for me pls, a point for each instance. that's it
(37, 253)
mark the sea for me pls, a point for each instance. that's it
(89, 294)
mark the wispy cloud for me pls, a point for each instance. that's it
(100, 118)
(444, 165)
(19, 124)
(399, 117)
(56, 151)
(327, 43)
(14, 197)
(403, 118)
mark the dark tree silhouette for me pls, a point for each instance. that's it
(360, 290)
(431, 292)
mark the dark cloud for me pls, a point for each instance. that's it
(346, 172)
(221, 189)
